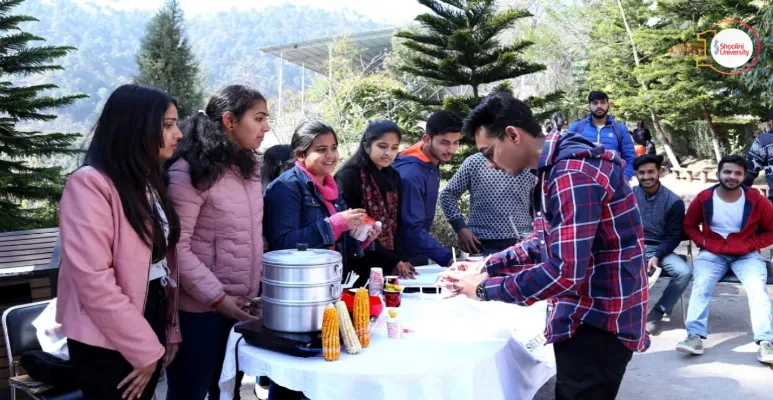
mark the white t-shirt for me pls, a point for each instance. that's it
(160, 270)
(727, 216)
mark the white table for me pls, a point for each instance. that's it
(461, 349)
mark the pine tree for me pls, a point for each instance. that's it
(460, 45)
(167, 62)
(28, 189)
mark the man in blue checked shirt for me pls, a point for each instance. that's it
(586, 256)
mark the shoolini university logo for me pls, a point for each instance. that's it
(732, 48)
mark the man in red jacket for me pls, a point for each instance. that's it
(730, 223)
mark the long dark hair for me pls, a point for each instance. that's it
(276, 159)
(125, 145)
(305, 134)
(205, 146)
(375, 131)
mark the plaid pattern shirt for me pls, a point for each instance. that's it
(586, 256)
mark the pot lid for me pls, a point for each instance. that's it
(302, 256)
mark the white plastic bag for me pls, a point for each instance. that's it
(49, 332)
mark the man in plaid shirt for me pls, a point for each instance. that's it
(586, 256)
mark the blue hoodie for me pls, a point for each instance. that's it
(420, 181)
(607, 137)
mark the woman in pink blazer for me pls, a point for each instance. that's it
(214, 183)
(117, 281)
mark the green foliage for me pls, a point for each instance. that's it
(667, 79)
(460, 44)
(760, 78)
(28, 189)
(166, 61)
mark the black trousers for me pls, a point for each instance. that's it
(99, 370)
(590, 365)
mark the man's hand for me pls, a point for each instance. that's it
(652, 264)
(469, 242)
(469, 267)
(461, 283)
(405, 270)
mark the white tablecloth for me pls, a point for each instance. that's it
(461, 349)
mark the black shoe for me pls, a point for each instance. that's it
(654, 320)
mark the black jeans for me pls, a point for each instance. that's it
(195, 371)
(99, 370)
(491, 246)
(590, 365)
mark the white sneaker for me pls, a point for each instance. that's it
(765, 353)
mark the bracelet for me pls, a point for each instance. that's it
(219, 301)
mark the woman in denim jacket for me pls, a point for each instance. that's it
(304, 205)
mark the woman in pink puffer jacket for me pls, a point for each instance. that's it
(214, 183)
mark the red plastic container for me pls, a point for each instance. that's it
(376, 306)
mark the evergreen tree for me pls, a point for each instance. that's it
(760, 78)
(167, 62)
(460, 45)
(29, 189)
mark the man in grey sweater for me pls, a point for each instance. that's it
(499, 206)
(662, 214)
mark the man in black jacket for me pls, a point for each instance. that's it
(663, 213)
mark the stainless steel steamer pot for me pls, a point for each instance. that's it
(297, 286)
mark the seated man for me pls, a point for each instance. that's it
(663, 213)
(730, 223)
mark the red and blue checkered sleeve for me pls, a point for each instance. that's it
(515, 258)
(575, 213)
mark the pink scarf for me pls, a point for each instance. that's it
(328, 188)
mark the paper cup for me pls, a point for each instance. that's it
(394, 329)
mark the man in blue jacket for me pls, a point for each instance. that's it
(420, 179)
(601, 128)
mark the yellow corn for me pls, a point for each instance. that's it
(348, 334)
(331, 343)
(362, 317)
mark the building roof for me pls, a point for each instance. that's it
(313, 54)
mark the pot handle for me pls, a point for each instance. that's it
(338, 268)
(335, 290)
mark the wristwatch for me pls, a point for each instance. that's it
(480, 291)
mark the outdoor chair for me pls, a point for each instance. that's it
(20, 337)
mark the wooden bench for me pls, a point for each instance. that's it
(29, 269)
(690, 173)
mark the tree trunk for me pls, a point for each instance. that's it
(664, 139)
(655, 119)
(712, 133)
(475, 91)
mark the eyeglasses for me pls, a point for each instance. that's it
(488, 152)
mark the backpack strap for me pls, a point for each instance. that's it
(615, 126)
(581, 126)
(619, 134)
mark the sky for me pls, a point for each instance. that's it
(390, 11)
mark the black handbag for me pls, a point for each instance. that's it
(50, 369)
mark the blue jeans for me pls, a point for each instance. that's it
(195, 371)
(680, 277)
(750, 270)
